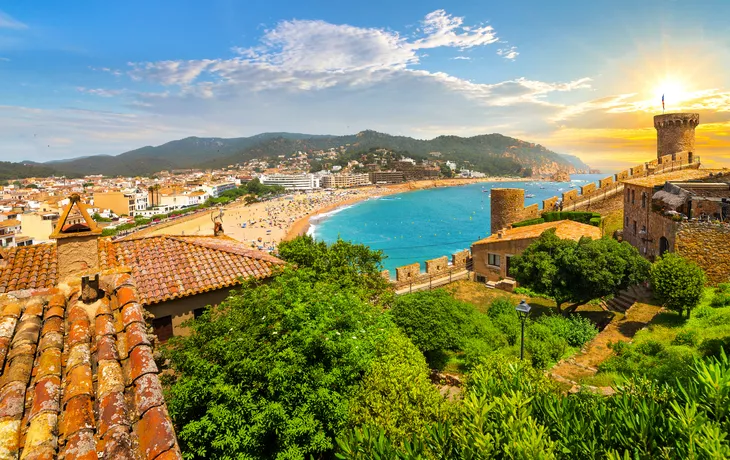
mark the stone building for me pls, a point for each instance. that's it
(676, 133)
(491, 256)
(687, 212)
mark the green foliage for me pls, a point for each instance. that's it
(677, 283)
(575, 329)
(577, 216)
(527, 222)
(526, 292)
(396, 393)
(512, 411)
(342, 263)
(10, 171)
(434, 320)
(578, 271)
(97, 217)
(269, 372)
(722, 296)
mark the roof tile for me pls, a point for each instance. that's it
(155, 431)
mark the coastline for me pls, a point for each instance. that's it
(301, 226)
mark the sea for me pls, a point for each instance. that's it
(421, 225)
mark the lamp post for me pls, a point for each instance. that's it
(523, 309)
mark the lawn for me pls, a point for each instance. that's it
(612, 221)
(667, 347)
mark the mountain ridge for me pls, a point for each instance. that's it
(489, 153)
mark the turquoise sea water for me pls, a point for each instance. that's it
(417, 226)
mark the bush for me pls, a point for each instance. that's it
(715, 347)
(577, 216)
(576, 330)
(677, 283)
(720, 299)
(688, 337)
(527, 222)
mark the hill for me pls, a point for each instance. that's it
(489, 153)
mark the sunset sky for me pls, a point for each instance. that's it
(83, 78)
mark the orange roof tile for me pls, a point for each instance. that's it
(9, 223)
(563, 229)
(79, 380)
(169, 267)
(29, 267)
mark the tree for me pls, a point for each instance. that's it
(446, 171)
(677, 283)
(272, 370)
(578, 271)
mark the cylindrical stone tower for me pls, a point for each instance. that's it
(507, 207)
(675, 132)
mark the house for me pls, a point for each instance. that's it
(491, 256)
(684, 213)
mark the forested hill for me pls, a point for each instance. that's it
(490, 153)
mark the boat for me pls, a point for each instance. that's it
(530, 195)
(485, 191)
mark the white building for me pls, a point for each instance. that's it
(345, 180)
(292, 181)
(451, 165)
(215, 190)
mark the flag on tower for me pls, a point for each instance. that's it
(662, 102)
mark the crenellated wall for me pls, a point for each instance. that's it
(549, 204)
(605, 182)
(436, 266)
(569, 197)
(435, 269)
(588, 188)
(622, 175)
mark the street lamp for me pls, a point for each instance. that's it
(523, 309)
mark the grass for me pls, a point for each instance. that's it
(669, 343)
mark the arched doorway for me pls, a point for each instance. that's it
(663, 245)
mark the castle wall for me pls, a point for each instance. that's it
(436, 266)
(622, 175)
(708, 245)
(531, 212)
(549, 204)
(638, 170)
(569, 197)
(605, 182)
(460, 258)
(587, 189)
(407, 272)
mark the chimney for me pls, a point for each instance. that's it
(76, 236)
(500, 234)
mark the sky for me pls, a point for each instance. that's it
(87, 77)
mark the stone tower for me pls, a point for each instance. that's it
(507, 207)
(675, 132)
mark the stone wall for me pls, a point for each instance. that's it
(436, 266)
(79, 254)
(588, 188)
(608, 181)
(549, 204)
(622, 175)
(459, 259)
(507, 207)
(531, 212)
(638, 170)
(569, 197)
(675, 132)
(708, 245)
(407, 272)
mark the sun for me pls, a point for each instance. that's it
(674, 90)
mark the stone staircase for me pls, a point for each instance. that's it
(625, 299)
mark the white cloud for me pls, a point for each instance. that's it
(100, 91)
(4, 59)
(508, 53)
(8, 22)
(442, 29)
(464, 58)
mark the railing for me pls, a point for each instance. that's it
(426, 282)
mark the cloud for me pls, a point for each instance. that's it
(508, 53)
(4, 59)
(465, 58)
(443, 29)
(8, 22)
(102, 92)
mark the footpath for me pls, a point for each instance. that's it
(585, 364)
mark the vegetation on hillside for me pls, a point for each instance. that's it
(11, 171)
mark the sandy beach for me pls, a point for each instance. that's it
(263, 225)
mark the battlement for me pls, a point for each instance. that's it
(435, 268)
(677, 119)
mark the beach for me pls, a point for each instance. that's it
(264, 224)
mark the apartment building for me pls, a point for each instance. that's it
(344, 180)
(292, 181)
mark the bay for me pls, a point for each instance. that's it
(417, 226)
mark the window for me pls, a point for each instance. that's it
(493, 259)
(643, 229)
(162, 328)
(628, 195)
(626, 222)
(634, 227)
(198, 312)
(633, 196)
(643, 199)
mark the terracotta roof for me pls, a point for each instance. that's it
(659, 179)
(563, 229)
(29, 267)
(79, 380)
(9, 223)
(169, 267)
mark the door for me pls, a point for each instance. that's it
(163, 328)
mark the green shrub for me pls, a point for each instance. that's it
(677, 283)
(650, 347)
(578, 216)
(527, 292)
(595, 221)
(715, 347)
(723, 287)
(576, 330)
(525, 223)
(703, 311)
(720, 299)
(689, 337)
